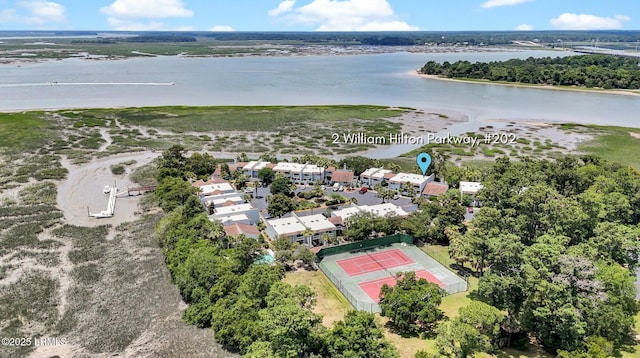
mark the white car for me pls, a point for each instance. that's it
(106, 189)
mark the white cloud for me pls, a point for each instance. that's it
(282, 8)
(344, 15)
(524, 27)
(44, 11)
(497, 3)
(221, 28)
(569, 21)
(153, 9)
(129, 25)
(35, 12)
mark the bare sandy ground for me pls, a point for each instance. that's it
(84, 185)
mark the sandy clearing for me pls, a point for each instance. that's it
(83, 187)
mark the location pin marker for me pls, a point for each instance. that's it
(424, 161)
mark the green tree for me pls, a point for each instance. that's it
(304, 254)
(288, 323)
(242, 157)
(359, 226)
(266, 175)
(244, 254)
(257, 281)
(225, 172)
(202, 165)
(172, 162)
(173, 192)
(412, 304)
(280, 204)
(358, 335)
(281, 185)
(476, 328)
(260, 349)
(234, 320)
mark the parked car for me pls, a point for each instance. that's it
(341, 188)
(363, 190)
(470, 210)
(336, 187)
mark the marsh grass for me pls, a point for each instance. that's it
(615, 144)
(25, 131)
(39, 194)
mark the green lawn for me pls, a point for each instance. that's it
(330, 302)
(615, 144)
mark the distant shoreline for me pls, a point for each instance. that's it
(526, 85)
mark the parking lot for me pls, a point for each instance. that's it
(369, 198)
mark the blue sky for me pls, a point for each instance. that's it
(319, 15)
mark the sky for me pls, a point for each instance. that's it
(319, 15)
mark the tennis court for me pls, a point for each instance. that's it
(372, 288)
(373, 262)
(359, 274)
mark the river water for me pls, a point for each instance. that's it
(384, 79)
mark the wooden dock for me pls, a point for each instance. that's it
(140, 190)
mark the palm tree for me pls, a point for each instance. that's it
(308, 234)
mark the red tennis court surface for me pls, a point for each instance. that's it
(374, 262)
(372, 288)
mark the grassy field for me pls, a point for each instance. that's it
(615, 144)
(20, 132)
(331, 304)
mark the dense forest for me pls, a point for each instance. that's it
(556, 246)
(600, 71)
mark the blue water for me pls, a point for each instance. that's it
(266, 259)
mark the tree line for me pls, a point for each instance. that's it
(602, 71)
(556, 248)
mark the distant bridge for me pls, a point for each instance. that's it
(605, 51)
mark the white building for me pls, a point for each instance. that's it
(252, 168)
(470, 187)
(300, 173)
(416, 180)
(236, 213)
(293, 227)
(386, 209)
(373, 176)
(216, 189)
(228, 199)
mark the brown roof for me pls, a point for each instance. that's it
(330, 169)
(315, 249)
(235, 166)
(236, 229)
(343, 176)
(215, 192)
(228, 203)
(434, 188)
(270, 165)
(200, 182)
(335, 220)
(389, 175)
